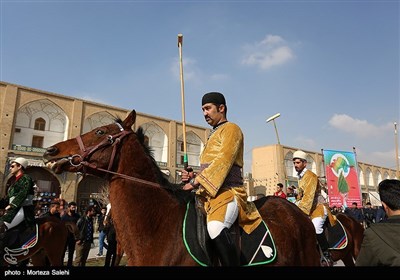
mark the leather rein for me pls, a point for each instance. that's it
(114, 141)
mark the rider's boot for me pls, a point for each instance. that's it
(227, 252)
(323, 243)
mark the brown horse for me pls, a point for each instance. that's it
(51, 239)
(149, 211)
(355, 234)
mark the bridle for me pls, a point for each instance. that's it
(114, 140)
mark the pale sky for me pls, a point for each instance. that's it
(330, 68)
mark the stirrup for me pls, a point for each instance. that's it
(326, 259)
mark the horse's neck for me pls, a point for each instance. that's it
(134, 162)
(143, 198)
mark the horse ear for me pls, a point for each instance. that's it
(130, 120)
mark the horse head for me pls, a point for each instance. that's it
(93, 149)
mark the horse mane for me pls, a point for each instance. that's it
(174, 189)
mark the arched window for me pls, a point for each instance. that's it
(40, 124)
(146, 140)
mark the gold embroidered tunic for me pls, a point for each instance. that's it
(221, 176)
(320, 212)
(309, 189)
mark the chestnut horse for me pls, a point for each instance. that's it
(148, 211)
(355, 234)
(50, 243)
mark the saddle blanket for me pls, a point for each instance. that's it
(257, 248)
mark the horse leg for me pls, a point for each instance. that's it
(120, 253)
(55, 256)
(348, 260)
(39, 259)
(54, 250)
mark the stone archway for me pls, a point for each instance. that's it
(47, 186)
(90, 189)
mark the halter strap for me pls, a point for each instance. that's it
(113, 140)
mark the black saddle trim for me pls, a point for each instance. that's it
(337, 236)
(257, 248)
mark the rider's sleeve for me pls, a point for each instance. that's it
(224, 149)
(24, 185)
(309, 185)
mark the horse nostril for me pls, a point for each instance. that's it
(51, 151)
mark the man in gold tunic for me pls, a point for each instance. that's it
(220, 180)
(310, 200)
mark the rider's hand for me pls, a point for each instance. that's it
(188, 187)
(184, 176)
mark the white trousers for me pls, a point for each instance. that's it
(19, 217)
(319, 222)
(214, 228)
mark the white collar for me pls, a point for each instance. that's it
(302, 173)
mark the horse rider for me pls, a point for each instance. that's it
(20, 199)
(310, 202)
(220, 181)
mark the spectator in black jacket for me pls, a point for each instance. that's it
(70, 216)
(369, 215)
(355, 212)
(85, 226)
(380, 214)
(111, 254)
(54, 210)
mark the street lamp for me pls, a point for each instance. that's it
(273, 119)
(397, 150)
(281, 165)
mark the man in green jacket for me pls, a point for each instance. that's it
(20, 200)
(381, 246)
(19, 196)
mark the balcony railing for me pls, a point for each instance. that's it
(161, 164)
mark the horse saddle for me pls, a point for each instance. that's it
(256, 248)
(336, 236)
(18, 240)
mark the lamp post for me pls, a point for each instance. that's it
(272, 118)
(282, 160)
(396, 140)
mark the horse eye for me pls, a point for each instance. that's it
(99, 132)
